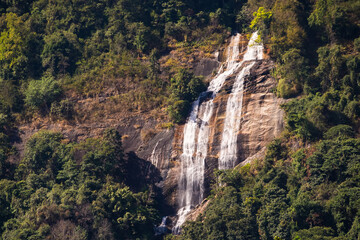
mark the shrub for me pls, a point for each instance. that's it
(293, 73)
(314, 233)
(41, 93)
(286, 89)
(63, 109)
(60, 52)
(185, 86)
(340, 131)
(331, 66)
(179, 110)
(42, 151)
(352, 109)
(261, 20)
(8, 95)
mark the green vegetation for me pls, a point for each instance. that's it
(140, 54)
(261, 20)
(40, 94)
(88, 47)
(185, 88)
(310, 194)
(62, 190)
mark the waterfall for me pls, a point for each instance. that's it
(228, 147)
(162, 229)
(155, 155)
(196, 137)
(197, 130)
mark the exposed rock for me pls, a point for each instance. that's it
(206, 67)
(262, 119)
(198, 210)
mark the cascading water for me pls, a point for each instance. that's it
(228, 147)
(196, 130)
(196, 137)
(154, 159)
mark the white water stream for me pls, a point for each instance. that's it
(196, 130)
(228, 147)
(155, 155)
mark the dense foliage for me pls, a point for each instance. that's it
(92, 46)
(141, 53)
(75, 191)
(310, 194)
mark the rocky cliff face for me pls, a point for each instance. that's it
(261, 122)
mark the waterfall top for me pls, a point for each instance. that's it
(255, 48)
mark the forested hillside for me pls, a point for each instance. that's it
(141, 55)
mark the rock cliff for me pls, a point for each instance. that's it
(261, 122)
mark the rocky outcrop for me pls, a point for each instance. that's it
(206, 67)
(263, 118)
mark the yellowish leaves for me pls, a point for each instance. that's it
(260, 17)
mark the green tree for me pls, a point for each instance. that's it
(334, 17)
(293, 73)
(331, 66)
(14, 38)
(9, 96)
(185, 88)
(178, 110)
(130, 213)
(42, 152)
(321, 233)
(61, 52)
(261, 20)
(340, 131)
(287, 31)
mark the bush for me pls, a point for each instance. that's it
(42, 151)
(261, 20)
(352, 109)
(63, 109)
(8, 95)
(331, 66)
(185, 86)
(293, 73)
(302, 127)
(60, 53)
(324, 233)
(286, 89)
(340, 131)
(179, 110)
(41, 93)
